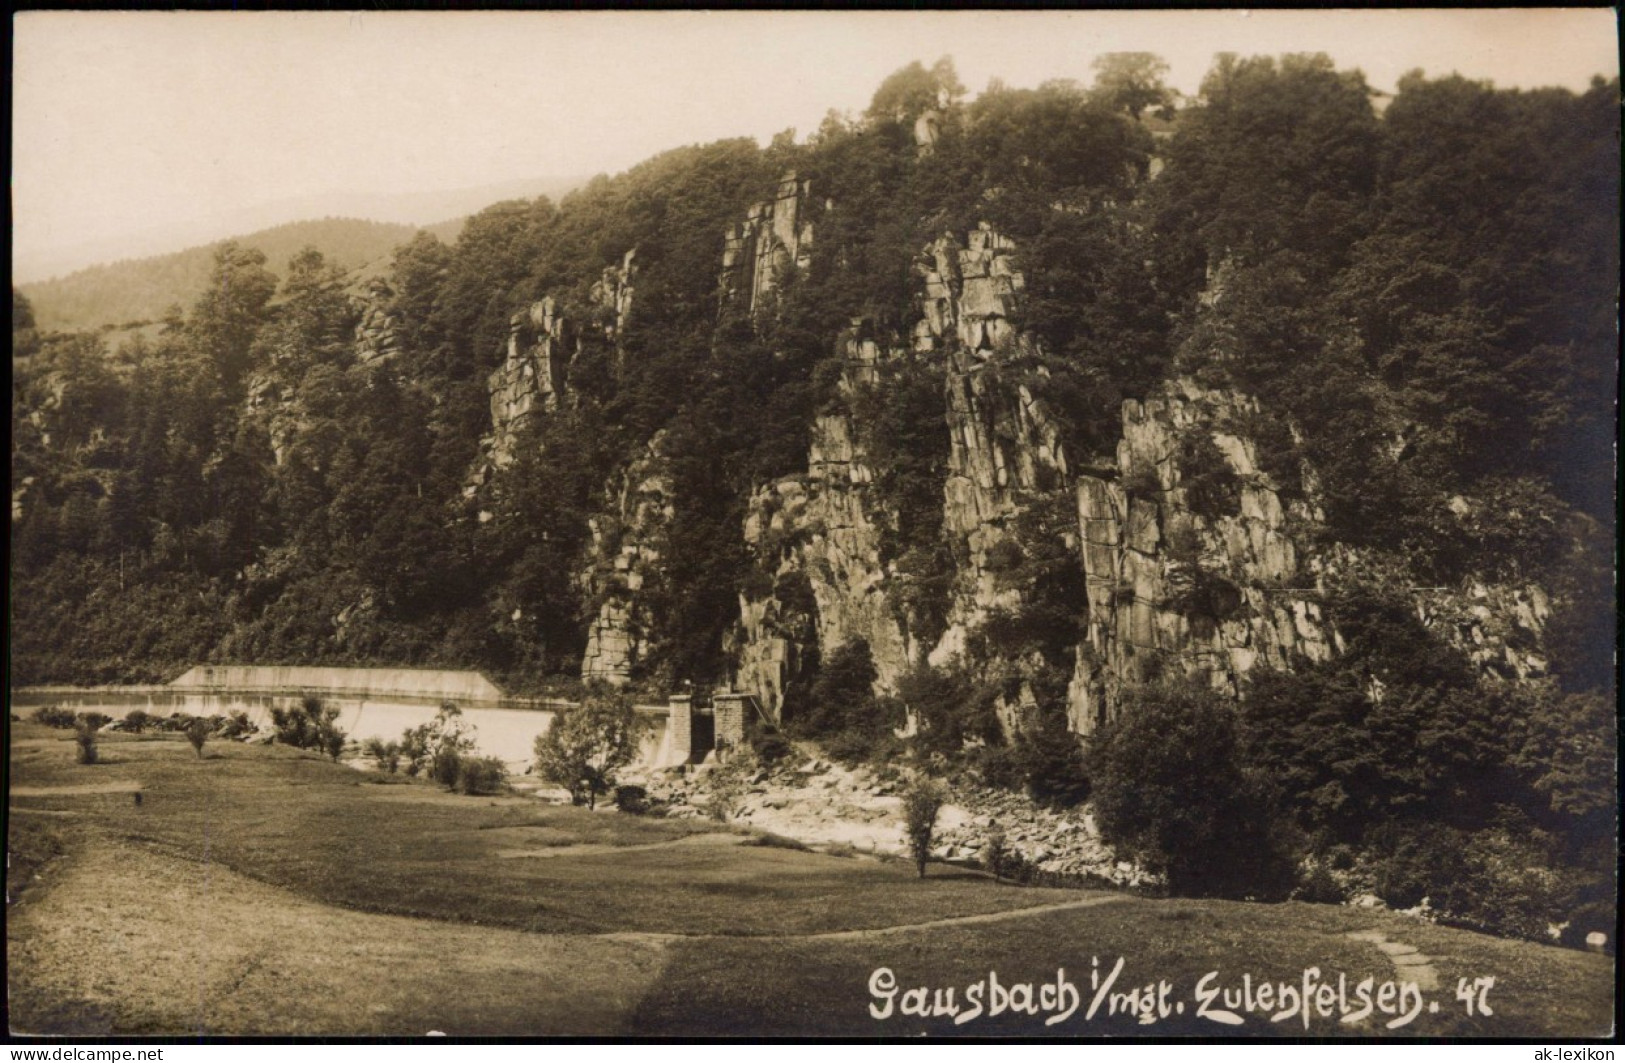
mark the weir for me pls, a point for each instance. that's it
(415, 683)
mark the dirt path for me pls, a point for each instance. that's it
(874, 932)
(1412, 965)
(76, 791)
(594, 849)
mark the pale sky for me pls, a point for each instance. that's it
(132, 123)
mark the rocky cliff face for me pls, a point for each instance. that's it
(541, 344)
(377, 335)
(824, 532)
(273, 390)
(1003, 449)
(1194, 562)
(1190, 570)
(625, 554)
(817, 540)
(1209, 570)
(775, 236)
(611, 296)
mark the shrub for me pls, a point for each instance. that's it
(95, 721)
(1001, 767)
(1142, 482)
(1508, 887)
(138, 720)
(312, 724)
(588, 745)
(770, 745)
(922, 803)
(1500, 880)
(447, 768)
(1045, 763)
(951, 707)
(197, 732)
(843, 692)
(439, 745)
(1205, 595)
(53, 716)
(726, 793)
(633, 799)
(860, 747)
(1052, 763)
(1588, 918)
(1172, 791)
(387, 755)
(85, 741)
(481, 775)
(237, 725)
(1317, 885)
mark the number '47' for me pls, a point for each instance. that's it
(1475, 994)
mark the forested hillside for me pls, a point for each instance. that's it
(140, 291)
(1010, 419)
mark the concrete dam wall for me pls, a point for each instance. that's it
(430, 683)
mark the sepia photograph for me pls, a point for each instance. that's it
(789, 525)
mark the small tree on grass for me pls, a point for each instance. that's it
(197, 733)
(588, 745)
(85, 740)
(995, 852)
(922, 802)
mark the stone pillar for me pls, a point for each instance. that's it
(680, 726)
(730, 712)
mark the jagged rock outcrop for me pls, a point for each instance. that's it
(827, 528)
(1499, 627)
(818, 538)
(611, 296)
(775, 236)
(927, 128)
(1176, 588)
(274, 401)
(541, 344)
(1004, 450)
(627, 544)
(377, 335)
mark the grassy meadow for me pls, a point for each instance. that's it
(266, 890)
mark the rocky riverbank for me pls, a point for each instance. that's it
(820, 803)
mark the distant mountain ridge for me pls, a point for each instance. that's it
(32, 264)
(352, 230)
(138, 290)
(142, 290)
